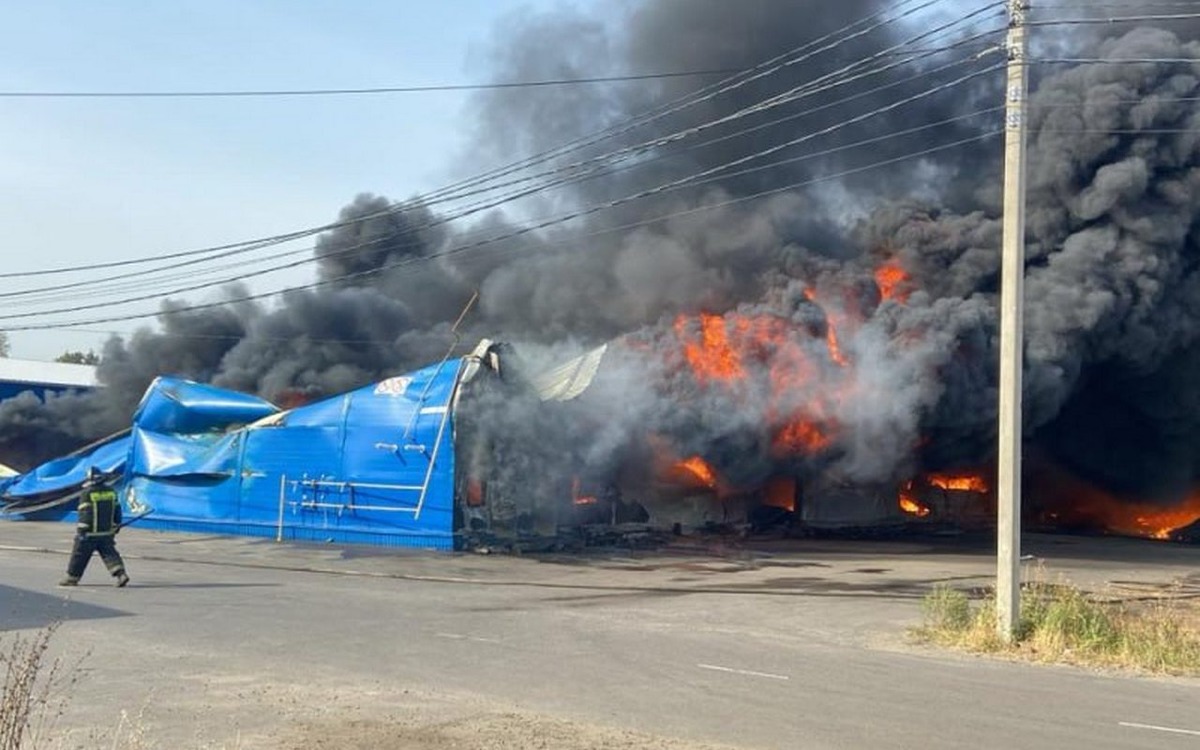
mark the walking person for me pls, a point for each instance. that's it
(96, 530)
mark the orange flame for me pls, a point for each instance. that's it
(892, 280)
(909, 502)
(722, 348)
(699, 470)
(958, 482)
(831, 331)
(780, 492)
(1071, 501)
(835, 349)
(475, 492)
(801, 436)
(713, 356)
(580, 499)
(1140, 518)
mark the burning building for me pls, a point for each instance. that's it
(808, 337)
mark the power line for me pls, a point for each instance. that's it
(459, 249)
(1115, 19)
(1065, 60)
(106, 289)
(662, 188)
(874, 21)
(1114, 60)
(125, 283)
(361, 91)
(631, 151)
(1121, 131)
(772, 165)
(828, 84)
(1109, 5)
(232, 337)
(575, 215)
(250, 244)
(827, 81)
(769, 67)
(1148, 99)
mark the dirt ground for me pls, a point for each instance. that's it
(499, 731)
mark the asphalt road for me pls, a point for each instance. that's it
(792, 654)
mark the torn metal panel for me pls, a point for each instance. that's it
(569, 380)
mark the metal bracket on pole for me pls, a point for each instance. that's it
(1012, 276)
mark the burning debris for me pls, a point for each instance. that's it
(1064, 501)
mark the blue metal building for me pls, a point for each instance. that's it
(373, 466)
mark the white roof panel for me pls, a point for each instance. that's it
(47, 373)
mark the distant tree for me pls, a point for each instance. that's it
(3, 344)
(79, 358)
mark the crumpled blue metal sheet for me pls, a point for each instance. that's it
(175, 405)
(374, 465)
(65, 473)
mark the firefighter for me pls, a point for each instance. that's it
(99, 522)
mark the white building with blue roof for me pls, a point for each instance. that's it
(41, 378)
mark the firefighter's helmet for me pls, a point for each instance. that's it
(92, 478)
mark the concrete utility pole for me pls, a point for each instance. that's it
(1012, 277)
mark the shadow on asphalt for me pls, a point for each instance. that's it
(165, 585)
(767, 553)
(799, 587)
(23, 608)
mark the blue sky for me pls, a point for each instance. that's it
(89, 180)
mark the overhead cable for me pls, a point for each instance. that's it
(572, 170)
(107, 289)
(1113, 60)
(422, 259)
(581, 213)
(359, 91)
(873, 22)
(1102, 20)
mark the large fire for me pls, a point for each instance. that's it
(1065, 501)
(797, 376)
(800, 375)
(807, 374)
(1058, 500)
(803, 378)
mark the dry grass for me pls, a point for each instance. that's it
(1062, 623)
(35, 695)
(34, 688)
